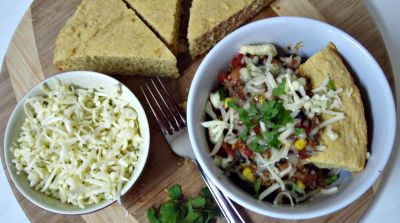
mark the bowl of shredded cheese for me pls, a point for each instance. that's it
(76, 142)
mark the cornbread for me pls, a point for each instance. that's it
(106, 36)
(211, 20)
(349, 150)
(162, 16)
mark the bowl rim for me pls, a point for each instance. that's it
(287, 214)
(105, 203)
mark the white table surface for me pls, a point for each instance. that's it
(386, 203)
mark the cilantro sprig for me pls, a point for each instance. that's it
(257, 186)
(280, 89)
(178, 208)
(272, 113)
(299, 131)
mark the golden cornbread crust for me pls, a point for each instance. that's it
(211, 20)
(349, 150)
(163, 16)
(106, 36)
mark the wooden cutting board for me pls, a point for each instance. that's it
(29, 60)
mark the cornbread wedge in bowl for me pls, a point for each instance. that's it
(106, 36)
(348, 150)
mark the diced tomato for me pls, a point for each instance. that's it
(275, 61)
(240, 145)
(235, 74)
(303, 155)
(257, 129)
(222, 77)
(312, 143)
(308, 129)
(237, 61)
(247, 152)
(268, 153)
(228, 149)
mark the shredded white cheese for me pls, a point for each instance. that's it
(77, 145)
(259, 50)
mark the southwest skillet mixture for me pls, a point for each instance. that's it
(264, 123)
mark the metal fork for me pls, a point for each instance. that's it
(172, 122)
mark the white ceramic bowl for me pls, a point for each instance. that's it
(84, 79)
(315, 35)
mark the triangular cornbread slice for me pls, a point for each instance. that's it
(163, 16)
(211, 20)
(349, 150)
(106, 36)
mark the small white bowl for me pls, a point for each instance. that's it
(84, 79)
(315, 35)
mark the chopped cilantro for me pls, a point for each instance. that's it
(268, 110)
(222, 94)
(245, 116)
(252, 110)
(298, 131)
(272, 113)
(151, 215)
(257, 186)
(255, 147)
(332, 85)
(333, 178)
(170, 212)
(280, 89)
(271, 138)
(179, 209)
(175, 192)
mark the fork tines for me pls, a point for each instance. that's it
(168, 115)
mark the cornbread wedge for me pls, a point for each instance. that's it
(163, 16)
(349, 150)
(106, 36)
(211, 20)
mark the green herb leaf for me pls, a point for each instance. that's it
(333, 178)
(252, 110)
(205, 192)
(232, 105)
(332, 85)
(178, 209)
(222, 94)
(245, 134)
(280, 89)
(192, 215)
(170, 212)
(298, 131)
(151, 215)
(268, 110)
(255, 147)
(198, 202)
(257, 187)
(175, 192)
(271, 138)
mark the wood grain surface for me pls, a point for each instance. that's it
(29, 60)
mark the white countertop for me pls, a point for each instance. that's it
(387, 201)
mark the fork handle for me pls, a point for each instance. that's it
(224, 203)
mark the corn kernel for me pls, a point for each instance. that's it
(226, 101)
(248, 175)
(300, 185)
(261, 99)
(300, 144)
